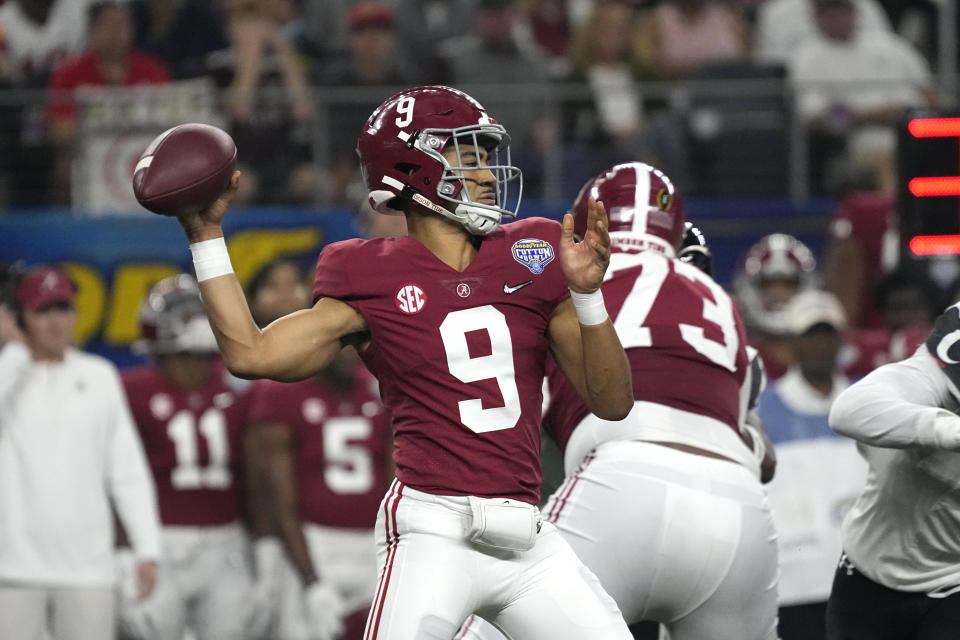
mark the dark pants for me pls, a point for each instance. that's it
(803, 621)
(860, 609)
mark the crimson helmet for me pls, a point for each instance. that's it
(778, 256)
(401, 156)
(644, 209)
(173, 320)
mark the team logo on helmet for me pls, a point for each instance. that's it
(533, 253)
(410, 299)
(665, 199)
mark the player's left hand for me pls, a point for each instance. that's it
(326, 610)
(146, 578)
(585, 262)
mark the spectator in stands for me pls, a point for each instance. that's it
(422, 24)
(677, 37)
(372, 61)
(110, 60)
(35, 35)
(268, 103)
(182, 33)
(509, 76)
(819, 474)
(782, 25)
(850, 83)
(549, 25)
(68, 449)
(610, 125)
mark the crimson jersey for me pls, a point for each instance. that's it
(460, 356)
(341, 445)
(870, 219)
(683, 335)
(192, 442)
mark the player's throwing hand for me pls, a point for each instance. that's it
(585, 262)
(206, 223)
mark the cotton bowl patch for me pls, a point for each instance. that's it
(533, 253)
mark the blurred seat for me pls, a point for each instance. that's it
(738, 127)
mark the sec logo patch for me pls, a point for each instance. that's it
(410, 299)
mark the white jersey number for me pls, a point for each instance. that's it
(646, 288)
(405, 111)
(183, 430)
(349, 467)
(498, 364)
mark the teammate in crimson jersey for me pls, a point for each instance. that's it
(190, 421)
(455, 321)
(666, 506)
(326, 444)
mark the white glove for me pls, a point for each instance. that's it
(325, 609)
(133, 619)
(267, 559)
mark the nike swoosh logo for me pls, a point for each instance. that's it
(508, 289)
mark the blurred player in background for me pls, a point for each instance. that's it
(326, 448)
(68, 449)
(190, 420)
(638, 491)
(899, 576)
(455, 320)
(322, 450)
(774, 269)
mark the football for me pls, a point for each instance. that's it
(184, 169)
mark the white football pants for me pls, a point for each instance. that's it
(679, 538)
(204, 583)
(432, 578)
(345, 557)
(61, 613)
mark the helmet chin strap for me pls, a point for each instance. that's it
(477, 220)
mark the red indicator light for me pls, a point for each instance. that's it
(934, 127)
(935, 245)
(937, 186)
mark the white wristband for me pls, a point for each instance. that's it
(211, 259)
(590, 307)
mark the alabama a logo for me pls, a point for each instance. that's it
(533, 253)
(410, 299)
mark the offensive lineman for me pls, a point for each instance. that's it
(455, 320)
(190, 421)
(666, 507)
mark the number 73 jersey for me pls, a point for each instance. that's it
(460, 355)
(684, 337)
(192, 443)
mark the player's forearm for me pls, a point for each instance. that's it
(896, 406)
(609, 385)
(238, 336)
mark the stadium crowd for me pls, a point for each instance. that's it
(211, 507)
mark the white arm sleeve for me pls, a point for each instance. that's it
(899, 405)
(131, 484)
(14, 359)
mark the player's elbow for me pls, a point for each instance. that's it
(614, 408)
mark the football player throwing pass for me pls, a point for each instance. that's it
(456, 321)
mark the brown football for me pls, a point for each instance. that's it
(185, 169)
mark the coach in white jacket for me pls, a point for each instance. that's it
(68, 448)
(900, 574)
